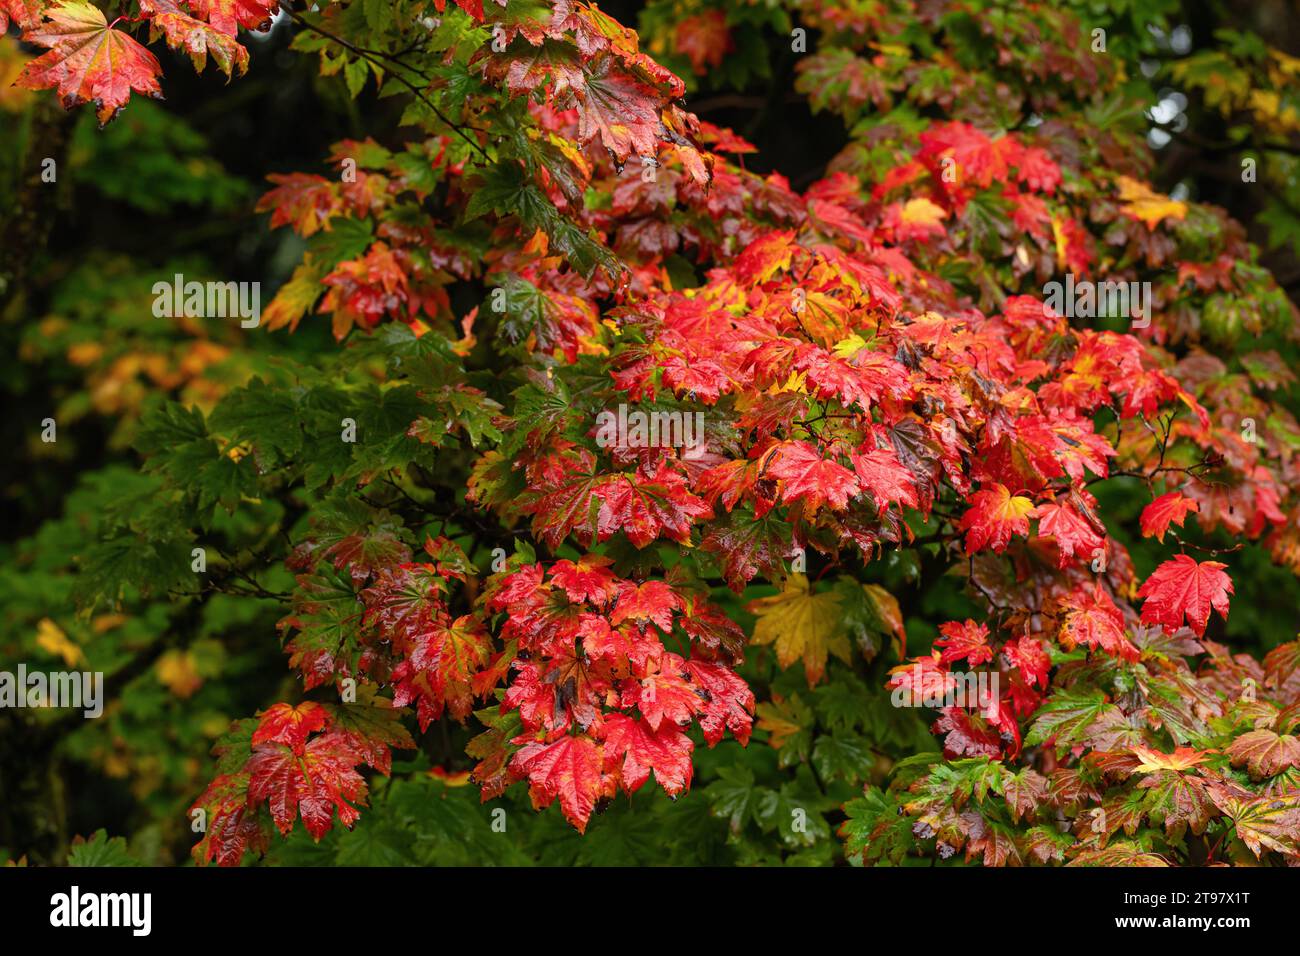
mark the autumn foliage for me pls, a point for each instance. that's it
(885, 398)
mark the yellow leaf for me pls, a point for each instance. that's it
(1013, 508)
(106, 622)
(795, 383)
(1270, 112)
(893, 49)
(922, 212)
(82, 354)
(13, 99)
(1140, 202)
(450, 778)
(296, 296)
(1288, 65)
(847, 348)
(51, 638)
(802, 625)
(825, 317)
(177, 671)
(117, 766)
(1062, 243)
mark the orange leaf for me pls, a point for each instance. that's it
(1140, 202)
(88, 61)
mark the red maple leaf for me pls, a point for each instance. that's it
(363, 291)
(1182, 587)
(652, 601)
(765, 257)
(922, 679)
(303, 201)
(567, 769)
(473, 7)
(290, 725)
(1030, 657)
(663, 694)
(994, 516)
(233, 826)
(714, 634)
(624, 646)
(619, 110)
(729, 704)
(975, 159)
(228, 15)
(440, 664)
(1072, 532)
(185, 34)
(1172, 507)
(967, 734)
(880, 472)
(810, 477)
(645, 508)
(964, 641)
(1037, 170)
(314, 783)
(534, 698)
(588, 580)
(663, 749)
(404, 600)
(1093, 620)
(704, 40)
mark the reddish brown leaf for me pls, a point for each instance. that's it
(1264, 752)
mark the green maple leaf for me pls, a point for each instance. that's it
(100, 850)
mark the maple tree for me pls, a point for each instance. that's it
(887, 402)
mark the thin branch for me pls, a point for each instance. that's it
(1204, 550)
(375, 58)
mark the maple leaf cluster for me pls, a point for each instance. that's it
(1088, 672)
(294, 761)
(1122, 785)
(90, 60)
(601, 699)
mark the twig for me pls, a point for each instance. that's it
(374, 58)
